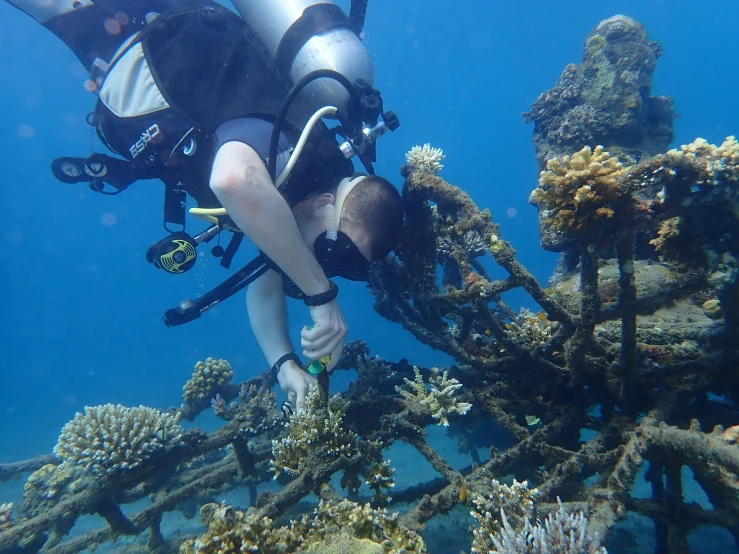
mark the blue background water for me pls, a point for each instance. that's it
(81, 307)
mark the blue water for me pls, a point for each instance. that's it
(81, 307)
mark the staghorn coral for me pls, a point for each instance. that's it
(315, 428)
(425, 158)
(563, 533)
(345, 522)
(379, 477)
(577, 192)
(111, 439)
(206, 379)
(438, 400)
(6, 510)
(518, 502)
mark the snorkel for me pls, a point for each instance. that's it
(332, 214)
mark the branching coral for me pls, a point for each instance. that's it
(578, 192)
(425, 158)
(379, 477)
(109, 440)
(562, 533)
(315, 428)
(232, 531)
(438, 400)
(516, 500)
(206, 379)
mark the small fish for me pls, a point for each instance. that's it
(542, 315)
(287, 409)
(463, 493)
(161, 434)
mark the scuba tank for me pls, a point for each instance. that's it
(298, 37)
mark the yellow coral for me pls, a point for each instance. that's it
(579, 191)
(720, 163)
(595, 44)
(206, 379)
(316, 427)
(669, 230)
(358, 527)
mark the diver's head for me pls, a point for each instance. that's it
(359, 223)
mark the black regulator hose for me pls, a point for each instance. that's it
(353, 109)
(357, 14)
(192, 309)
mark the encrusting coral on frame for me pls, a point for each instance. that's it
(360, 528)
(209, 379)
(313, 429)
(632, 343)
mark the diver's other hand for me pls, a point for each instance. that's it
(295, 383)
(326, 337)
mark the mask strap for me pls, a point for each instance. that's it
(346, 186)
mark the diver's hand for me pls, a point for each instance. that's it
(295, 383)
(327, 335)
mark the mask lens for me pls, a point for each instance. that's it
(341, 258)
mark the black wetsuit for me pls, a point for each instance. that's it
(215, 85)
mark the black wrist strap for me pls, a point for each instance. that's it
(324, 297)
(289, 356)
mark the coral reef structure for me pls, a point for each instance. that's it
(344, 523)
(606, 100)
(634, 341)
(111, 439)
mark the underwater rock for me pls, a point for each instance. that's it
(655, 284)
(605, 100)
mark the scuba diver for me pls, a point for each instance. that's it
(230, 111)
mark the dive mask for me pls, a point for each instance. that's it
(335, 251)
(341, 258)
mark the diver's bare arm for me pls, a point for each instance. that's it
(265, 303)
(243, 186)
